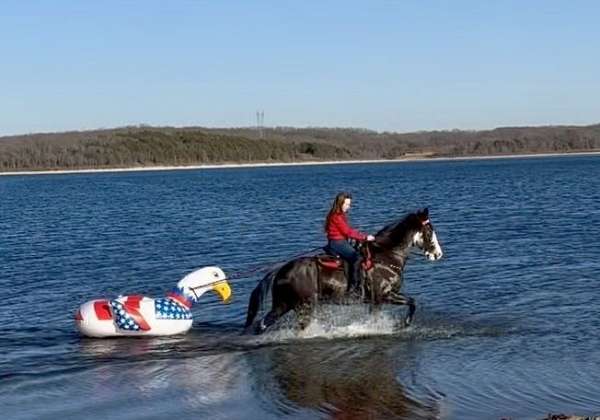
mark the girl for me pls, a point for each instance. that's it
(339, 231)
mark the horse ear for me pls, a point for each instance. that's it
(423, 215)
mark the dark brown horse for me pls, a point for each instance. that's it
(303, 282)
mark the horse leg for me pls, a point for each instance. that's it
(304, 313)
(374, 309)
(270, 318)
(307, 310)
(401, 299)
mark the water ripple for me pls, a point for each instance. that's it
(504, 323)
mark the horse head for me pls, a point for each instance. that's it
(414, 230)
(203, 280)
(425, 238)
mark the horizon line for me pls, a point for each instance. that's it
(253, 127)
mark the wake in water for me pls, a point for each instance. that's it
(355, 321)
(333, 321)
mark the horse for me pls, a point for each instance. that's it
(303, 282)
(137, 315)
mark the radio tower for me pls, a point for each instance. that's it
(260, 122)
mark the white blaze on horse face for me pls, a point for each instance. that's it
(437, 249)
(418, 240)
(432, 255)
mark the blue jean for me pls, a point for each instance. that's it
(348, 253)
(344, 250)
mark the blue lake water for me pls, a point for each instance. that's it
(507, 322)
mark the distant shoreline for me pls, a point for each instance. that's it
(417, 158)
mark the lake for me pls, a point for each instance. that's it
(506, 326)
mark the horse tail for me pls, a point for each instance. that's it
(258, 296)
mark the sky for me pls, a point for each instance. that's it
(382, 65)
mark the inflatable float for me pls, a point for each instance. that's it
(138, 315)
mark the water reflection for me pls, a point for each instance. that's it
(348, 379)
(196, 375)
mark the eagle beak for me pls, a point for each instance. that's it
(223, 290)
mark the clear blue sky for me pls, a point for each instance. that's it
(394, 66)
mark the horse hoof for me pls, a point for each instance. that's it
(354, 296)
(407, 321)
(257, 329)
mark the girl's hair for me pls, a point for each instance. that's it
(336, 206)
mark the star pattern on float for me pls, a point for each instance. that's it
(123, 319)
(166, 308)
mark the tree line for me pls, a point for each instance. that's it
(167, 146)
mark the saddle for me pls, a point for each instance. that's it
(330, 262)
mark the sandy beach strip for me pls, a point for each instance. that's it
(417, 158)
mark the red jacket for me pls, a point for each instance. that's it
(338, 228)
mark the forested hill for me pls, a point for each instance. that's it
(167, 146)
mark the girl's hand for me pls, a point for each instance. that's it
(370, 238)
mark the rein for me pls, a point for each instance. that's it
(236, 275)
(392, 267)
(264, 267)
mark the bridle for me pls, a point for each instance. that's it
(394, 268)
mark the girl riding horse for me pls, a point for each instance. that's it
(339, 231)
(303, 282)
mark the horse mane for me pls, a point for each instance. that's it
(395, 232)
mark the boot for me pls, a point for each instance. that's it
(355, 281)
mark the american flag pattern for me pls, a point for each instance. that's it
(166, 308)
(124, 320)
